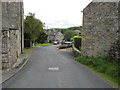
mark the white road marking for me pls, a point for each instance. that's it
(53, 68)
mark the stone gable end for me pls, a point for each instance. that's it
(100, 28)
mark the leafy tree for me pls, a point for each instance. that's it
(69, 34)
(42, 37)
(32, 27)
(75, 28)
(70, 28)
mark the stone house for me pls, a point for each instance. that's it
(59, 37)
(51, 36)
(55, 36)
(12, 32)
(100, 28)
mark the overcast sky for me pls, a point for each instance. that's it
(57, 13)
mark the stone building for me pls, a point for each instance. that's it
(51, 36)
(59, 37)
(0, 36)
(55, 36)
(12, 32)
(100, 28)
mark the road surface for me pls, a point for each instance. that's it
(52, 68)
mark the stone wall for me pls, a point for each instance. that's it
(100, 28)
(75, 51)
(12, 32)
(0, 35)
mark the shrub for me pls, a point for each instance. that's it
(62, 42)
(69, 34)
(114, 51)
(77, 42)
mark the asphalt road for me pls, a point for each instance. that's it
(51, 68)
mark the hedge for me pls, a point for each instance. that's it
(77, 42)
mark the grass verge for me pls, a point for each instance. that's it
(105, 67)
(28, 50)
(44, 44)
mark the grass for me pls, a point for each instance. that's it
(110, 80)
(28, 50)
(103, 66)
(44, 44)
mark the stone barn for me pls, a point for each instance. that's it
(100, 28)
(12, 32)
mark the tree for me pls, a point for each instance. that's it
(32, 27)
(75, 28)
(70, 28)
(42, 37)
(69, 34)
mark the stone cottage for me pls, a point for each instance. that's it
(55, 36)
(12, 32)
(100, 28)
(51, 36)
(59, 37)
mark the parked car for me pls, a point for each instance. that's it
(55, 42)
(67, 43)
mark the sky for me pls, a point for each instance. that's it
(57, 13)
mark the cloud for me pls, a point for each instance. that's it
(57, 13)
(60, 24)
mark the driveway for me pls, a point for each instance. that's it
(52, 68)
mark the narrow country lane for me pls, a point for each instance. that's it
(68, 73)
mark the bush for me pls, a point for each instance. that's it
(69, 34)
(77, 42)
(114, 51)
(62, 42)
(26, 42)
